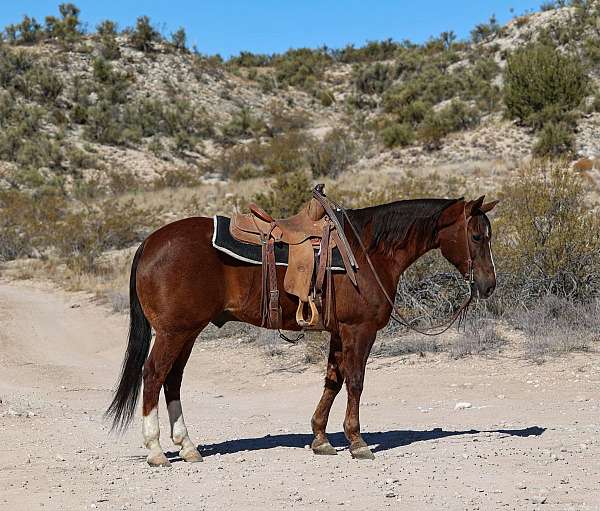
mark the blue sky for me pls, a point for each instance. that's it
(267, 26)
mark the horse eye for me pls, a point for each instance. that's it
(477, 237)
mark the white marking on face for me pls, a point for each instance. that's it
(492, 257)
(151, 429)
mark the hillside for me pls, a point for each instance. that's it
(106, 135)
(135, 104)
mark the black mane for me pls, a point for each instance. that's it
(390, 224)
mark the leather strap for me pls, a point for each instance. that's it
(274, 315)
(324, 260)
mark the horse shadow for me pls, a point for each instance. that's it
(381, 441)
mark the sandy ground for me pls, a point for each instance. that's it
(529, 440)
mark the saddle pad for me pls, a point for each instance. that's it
(224, 242)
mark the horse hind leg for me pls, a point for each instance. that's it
(172, 386)
(165, 351)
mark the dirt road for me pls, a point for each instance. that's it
(529, 440)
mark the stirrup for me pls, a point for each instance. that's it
(314, 314)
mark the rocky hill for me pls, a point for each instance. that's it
(87, 106)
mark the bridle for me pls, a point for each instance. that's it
(396, 315)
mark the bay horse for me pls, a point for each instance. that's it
(180, 283)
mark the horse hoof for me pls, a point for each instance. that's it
(362, 453)
(324, 449)
(158, 460)
(191, 455)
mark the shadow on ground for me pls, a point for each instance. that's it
(381, 441)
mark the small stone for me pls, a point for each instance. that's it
(462, 405)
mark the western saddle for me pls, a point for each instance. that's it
(311, 235)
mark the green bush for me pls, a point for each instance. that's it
(555, 139)
(326, 97)
(541, 84)
(398, 134)
(144, 35)
(484, 30)
(332, 155)
(178, 40)
(301, 67)
(68, 27)
(242, 124)
(109, 47)
(548, 235)
(285, 154)
(289, 192)
(47, 84)
(456, 116)
(373, 79)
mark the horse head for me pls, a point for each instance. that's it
(465, 240)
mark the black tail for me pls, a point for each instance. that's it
(124, 403)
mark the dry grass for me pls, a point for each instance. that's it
(554, 326)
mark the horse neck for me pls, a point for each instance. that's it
(391, 265)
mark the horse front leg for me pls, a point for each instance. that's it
(357, 343)
(333, 384)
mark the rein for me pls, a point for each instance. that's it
(396, 315)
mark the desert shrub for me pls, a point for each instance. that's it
(81, 234)
(332, 155)
(102, 124)
(13, 66)
(556, 325)
(288, 193)
(144, 35)
(479, 335)
(109, 47)
(29, 31)
(231, 160)
(24, 220)
(285, 153)
(178, 39)
(373, 79)
(549, 236)
(432, 131)
(370, 52)
(541, 84)
(483, 31)
(249, 59)
(48, 86)
(398, 134)
(316, 347)
(80, 159)
(242, 124)
(456, 116)
(281, 121)
(555, 139)
(325, 97)
(68, 27)
(246, 171)
(177, 177)
(301, 67)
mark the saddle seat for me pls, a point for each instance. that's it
(252, 227)
(311, 236)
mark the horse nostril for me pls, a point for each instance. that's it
(489, 290)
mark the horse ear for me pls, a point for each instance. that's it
(486, 208)
(474, 206)
(451, 214)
